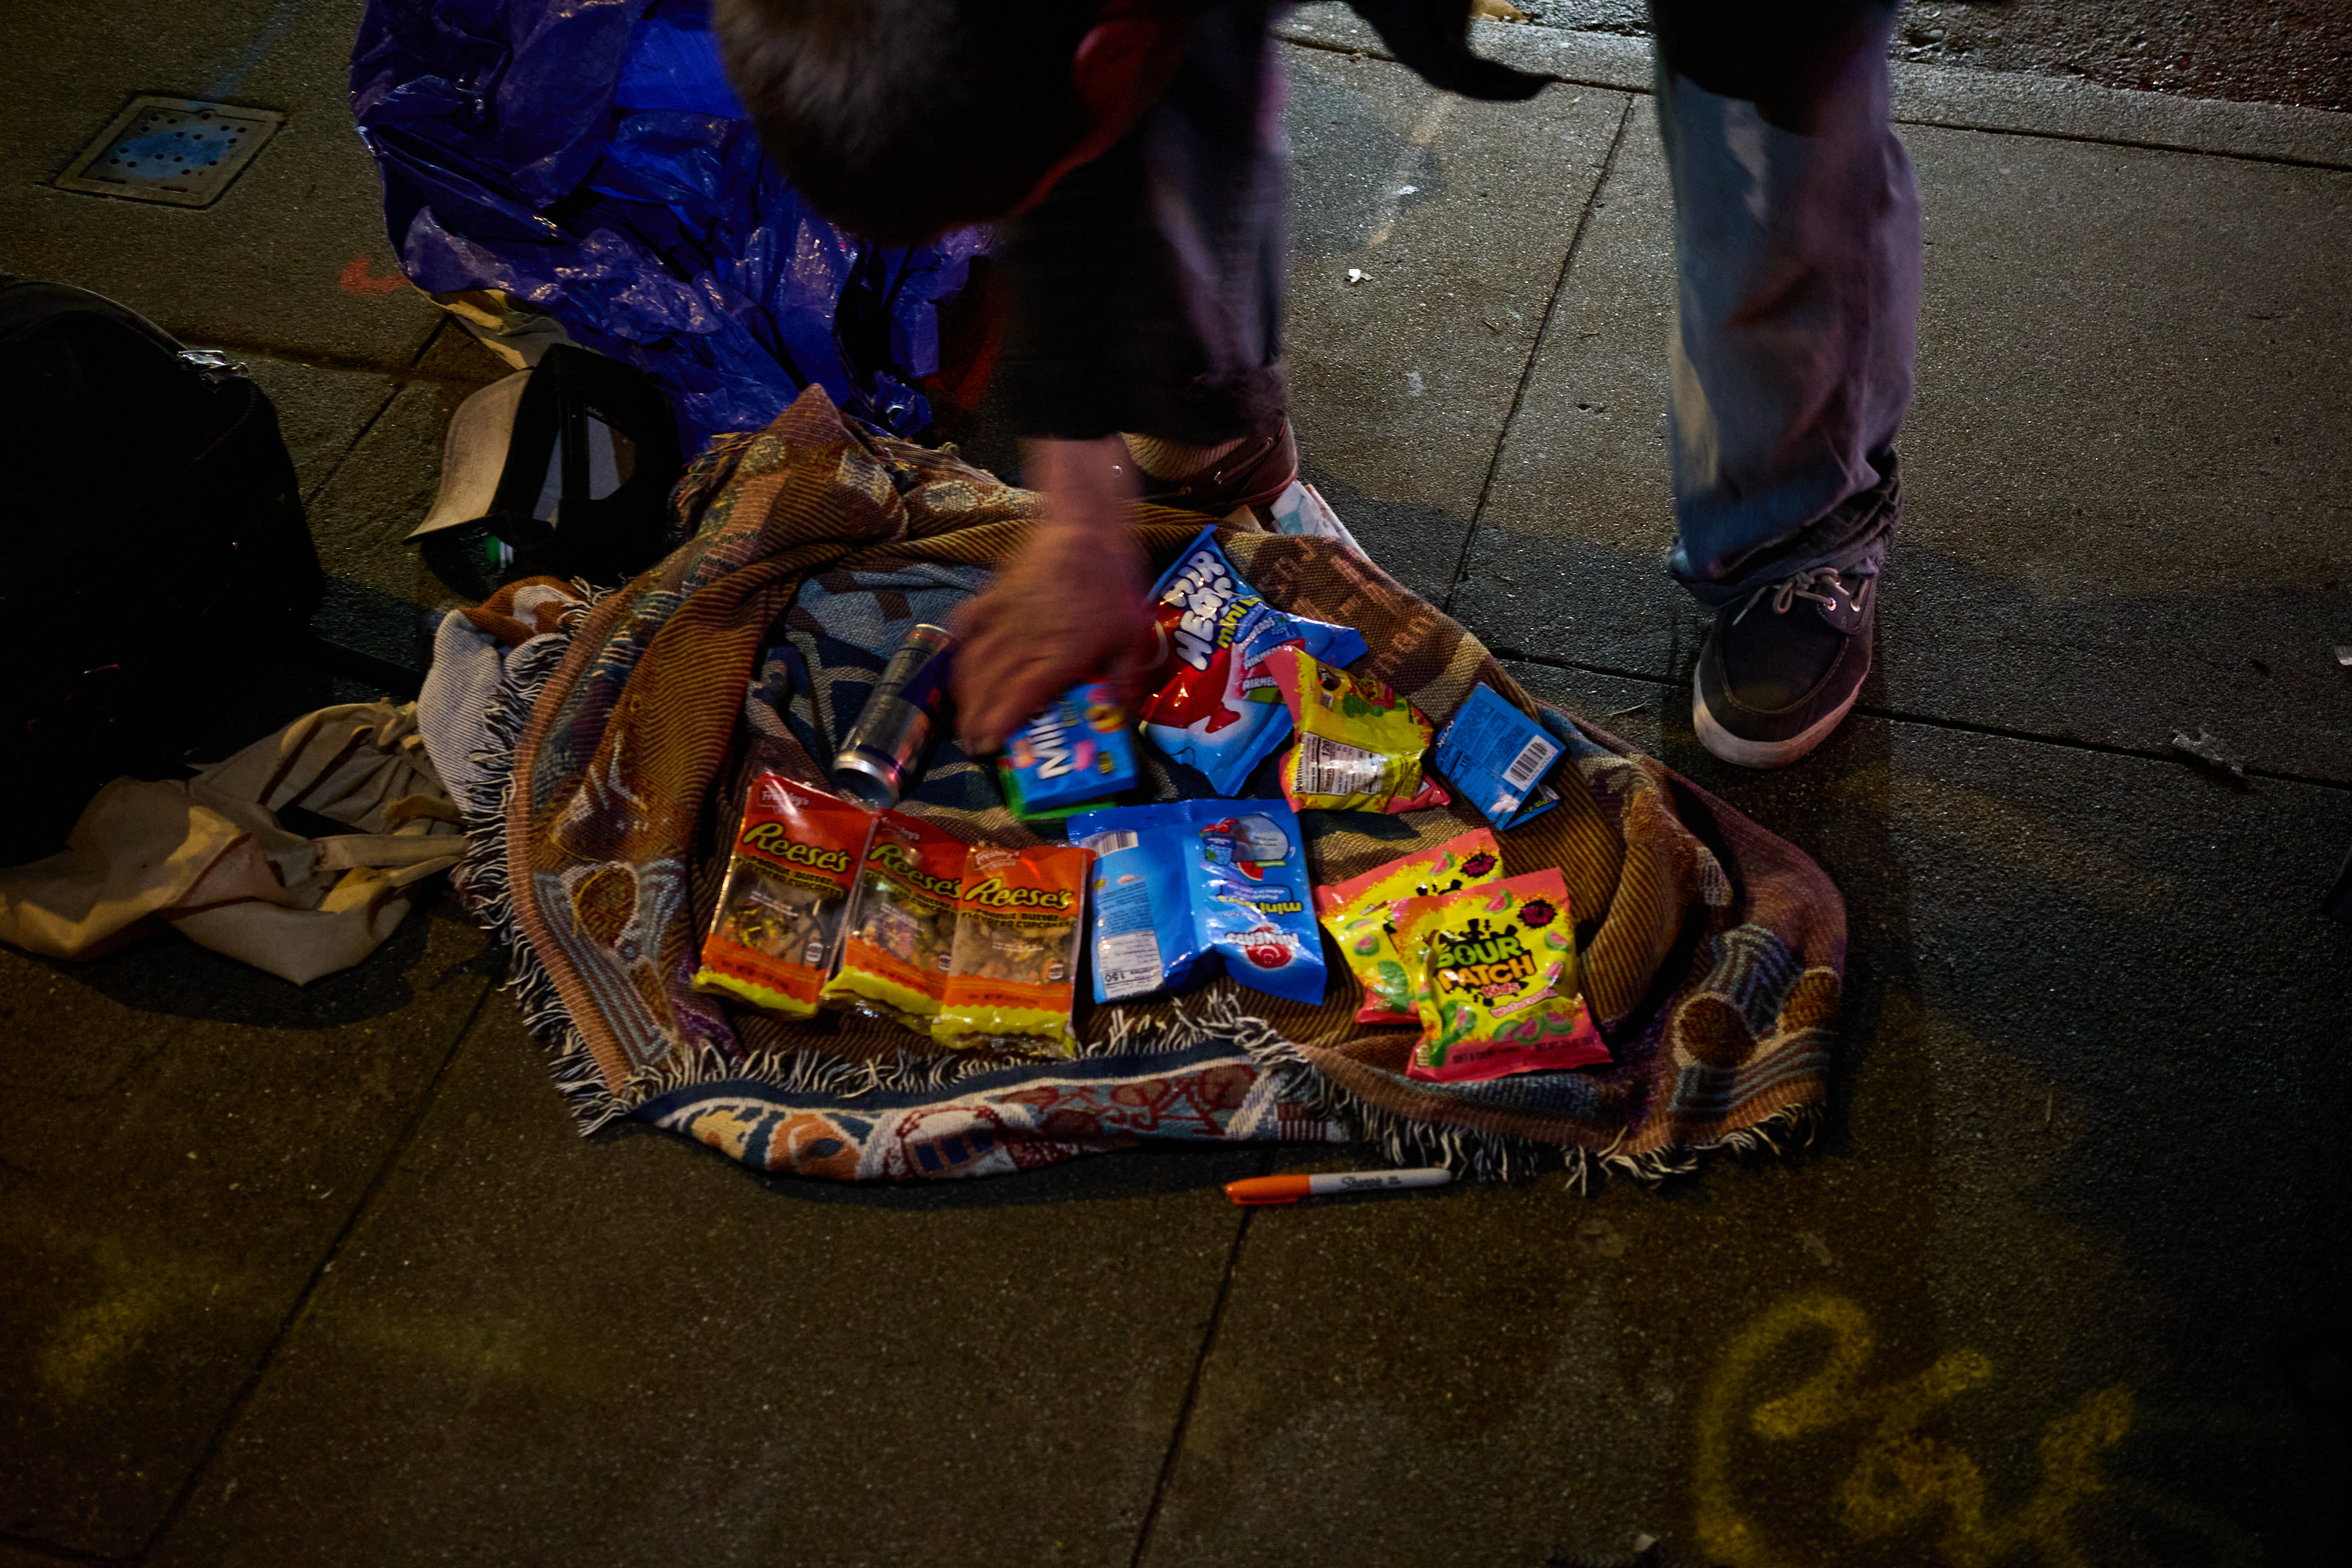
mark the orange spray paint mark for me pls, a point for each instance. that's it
(359, 277)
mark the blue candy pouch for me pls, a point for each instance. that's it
(1143, 938)
(1251, 899)
(1178, 882)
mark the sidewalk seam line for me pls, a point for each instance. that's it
(1535, 352)
(400, 384)
(2289, 160)
(261, 1366)
(1932, 721)
(33, 1546)
(1193, 1384)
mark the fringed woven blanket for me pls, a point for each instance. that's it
(619, 747)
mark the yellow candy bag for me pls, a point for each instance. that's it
(1019, 915)
(789, 875)
(902, 925)
(1359, 744)
(1359, 913)
(1498, 987)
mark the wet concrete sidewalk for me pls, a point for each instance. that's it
(324, 1275)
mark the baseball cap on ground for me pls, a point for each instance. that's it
(563, 469)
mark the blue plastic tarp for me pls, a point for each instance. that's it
(589, 157)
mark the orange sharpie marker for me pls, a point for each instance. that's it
(1290, 1189)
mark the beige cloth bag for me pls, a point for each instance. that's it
(209, 857)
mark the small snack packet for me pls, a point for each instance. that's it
(1360, 914)
(1178, 882)
(1212, 705)
(902, 924)
(1496, 757)
(1359, 744)
(1498, 992)
(789, 877)
(1076, 753)
(1014, 967)
(1141, 915)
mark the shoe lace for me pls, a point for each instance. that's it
(1805, 585)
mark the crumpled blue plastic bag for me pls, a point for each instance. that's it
(588, 156)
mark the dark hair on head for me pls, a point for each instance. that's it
(899, 119)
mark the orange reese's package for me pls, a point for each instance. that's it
(788, 876)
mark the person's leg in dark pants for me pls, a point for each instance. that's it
(1797, 251)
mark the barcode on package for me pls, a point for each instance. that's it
(1530, 764)
(1333, 767)
(1110, 843)
(1128, 963)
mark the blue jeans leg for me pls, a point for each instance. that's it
(1797, 254)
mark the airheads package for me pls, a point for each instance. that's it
(1214, 706)
(788, 876)
(1360, 913)
(1359, 744)
(1077, 750)
(1179, 881)
(1498, 992)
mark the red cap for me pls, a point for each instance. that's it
(1267, 1190)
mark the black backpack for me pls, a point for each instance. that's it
(152, 551)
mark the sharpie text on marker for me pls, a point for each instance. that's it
(1290, 1189)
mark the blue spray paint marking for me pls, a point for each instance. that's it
(273, 32)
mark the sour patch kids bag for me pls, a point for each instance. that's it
(1360, 913)
(1498, 986)
(1359, 744)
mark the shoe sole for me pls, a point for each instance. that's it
(1747, 753)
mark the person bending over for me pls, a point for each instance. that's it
(1131, 153)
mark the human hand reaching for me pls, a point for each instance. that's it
(1069, 608)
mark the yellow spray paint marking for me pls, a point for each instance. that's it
(1393, 193)
(1900, 1477)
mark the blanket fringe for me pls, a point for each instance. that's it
(815, 1073)
(1493, 1156)
(481, 879)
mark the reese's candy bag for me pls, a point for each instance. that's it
(902, 924)
(788, 876)
(1359, 915)
(1498, 992)
(1014, 964)
(1359, 744)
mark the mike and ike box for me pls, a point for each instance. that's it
(1077, 752)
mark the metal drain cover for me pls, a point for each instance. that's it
(171, 150)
